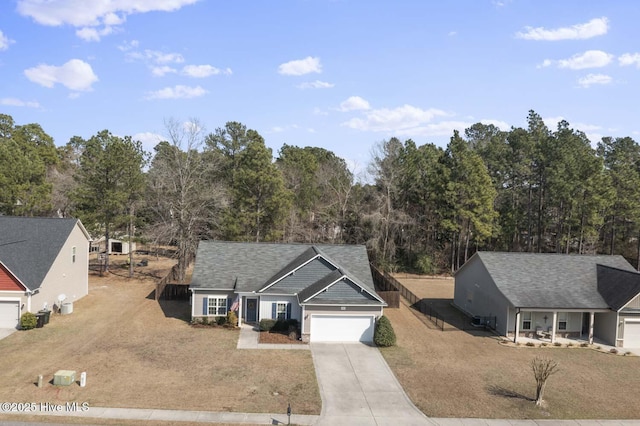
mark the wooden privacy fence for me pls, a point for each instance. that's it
(168, 288)
(386, 283)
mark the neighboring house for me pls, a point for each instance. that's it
(327, 288)
(115, 246)
(40, 259)
(553, 295)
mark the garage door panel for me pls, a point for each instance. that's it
(9, 313)
(631, 334)
(342, 328)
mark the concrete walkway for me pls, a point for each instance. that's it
(4, 332)
(358, 388)
(248, 339)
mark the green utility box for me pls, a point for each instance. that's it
(64, 377)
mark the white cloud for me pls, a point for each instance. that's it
(588, 59)
(629, 59)
(90, 14)
(318, 111)
(354, 103)
(129, 45)
(315, 85)
(93, 34)
(301, 66)
(399, 120)
(502, 125)
(75, 75)
(19, 103)
(162, 70)
(177, 92)
(452, 33)
(202, 71)
(4, 41)
(593, 28)
(591, 79)
(148, 139)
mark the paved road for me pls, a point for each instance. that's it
(358, 388)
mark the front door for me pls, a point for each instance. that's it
(252, 310)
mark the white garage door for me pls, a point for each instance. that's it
(342, 328)
(9, 313)
(631, 334)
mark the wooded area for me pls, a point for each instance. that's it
(422, 208)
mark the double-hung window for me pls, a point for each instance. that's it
(281, 311)
(562, 320)
(526, 320)
(217, 306)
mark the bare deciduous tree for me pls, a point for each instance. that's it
(184, 194)
(542, 369)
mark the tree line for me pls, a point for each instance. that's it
(424, 208)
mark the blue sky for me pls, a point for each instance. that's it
(340, 74)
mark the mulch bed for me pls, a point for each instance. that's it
(281, 338)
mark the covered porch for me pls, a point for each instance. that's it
(549, 325)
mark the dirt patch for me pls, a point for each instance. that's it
(139, 353)
(278, 338)
(456, 373)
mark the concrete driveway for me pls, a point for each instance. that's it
(4, 332)
(358, 388)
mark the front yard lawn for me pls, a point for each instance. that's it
(140, 354)
(455, 373)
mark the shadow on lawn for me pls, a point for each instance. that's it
(454, 320)
(177, 308)
(506, 393)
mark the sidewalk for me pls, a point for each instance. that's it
(249, 340)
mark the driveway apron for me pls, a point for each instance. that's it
(358, 388)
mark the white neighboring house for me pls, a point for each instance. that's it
(40, 259)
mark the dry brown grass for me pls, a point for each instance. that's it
(455, 373)
(140, 354)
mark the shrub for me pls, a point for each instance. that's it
(584, 345)
(232, 319)
(28, 321)
(613, 350)
(530, 344)
(266, 324)
(543, 344)
(557, 344)
(569, 344)
(204, 321)
(424, 265)
(384, 334)
(221, 320)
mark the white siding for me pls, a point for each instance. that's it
(605, 325)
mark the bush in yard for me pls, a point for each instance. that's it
(28, 321)
(221, 320)
(232, 319)
(384, 334)
(267, 324)
(286, 325)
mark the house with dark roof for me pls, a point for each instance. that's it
(327, 288)
(40, 259)
(553, 295)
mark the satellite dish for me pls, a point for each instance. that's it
(61, 297)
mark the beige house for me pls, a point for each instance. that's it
(40, 260)
(553, 295)
(328, 289)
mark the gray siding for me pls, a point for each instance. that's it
(197, 300)
(267, 301)
(605, 325)
(302, 278)
(634, 303)
(476, 293)
(343, 290)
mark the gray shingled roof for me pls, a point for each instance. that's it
(248, 267)
(30, 245)
(617, 286)
(540, 280)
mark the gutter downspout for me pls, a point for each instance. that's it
(515, 328)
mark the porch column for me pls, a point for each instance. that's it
(517, 330)
(591, 320)
(239, 311)
(553, 327)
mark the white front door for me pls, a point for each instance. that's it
(342, 328)
(9, 313)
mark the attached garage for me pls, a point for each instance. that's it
(9, 313)
(342, 328)
(631, 334)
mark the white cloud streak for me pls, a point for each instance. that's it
(177, 92)
(75, 75)
(354, 103)
(203, 71)
(19, 103)
(588, 59)
(94, 18)
(591, 79)
(301, 66)
(593, 28)
(315, 85)
(629, 59)
(4, 41)
(399, 120)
